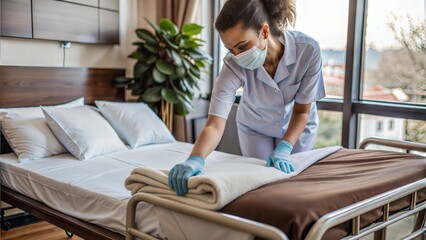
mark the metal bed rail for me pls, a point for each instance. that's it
(252, 227)
(352, 212)
(393, 143)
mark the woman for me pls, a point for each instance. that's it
(280, 71)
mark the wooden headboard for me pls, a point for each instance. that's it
(35, 86)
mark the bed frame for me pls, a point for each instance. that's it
(33, 86)
(349, 213)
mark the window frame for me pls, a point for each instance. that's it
(351, 105)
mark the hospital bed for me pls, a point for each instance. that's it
(371, 212)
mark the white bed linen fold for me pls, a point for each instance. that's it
(224, 178)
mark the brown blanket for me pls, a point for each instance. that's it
(343, 178)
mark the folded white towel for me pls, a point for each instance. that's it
(223, 180)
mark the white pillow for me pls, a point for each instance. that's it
(83, 131)
(135, 123)
(27, 132)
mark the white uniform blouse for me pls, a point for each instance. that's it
(267, 103)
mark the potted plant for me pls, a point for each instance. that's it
(168, 67)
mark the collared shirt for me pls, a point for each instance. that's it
(267, 103)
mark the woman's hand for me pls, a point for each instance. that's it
(179, 175)
(280, 157)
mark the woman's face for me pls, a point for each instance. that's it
(237, 39)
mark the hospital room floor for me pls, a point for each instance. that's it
(36, 231)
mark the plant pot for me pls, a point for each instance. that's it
(167, 114)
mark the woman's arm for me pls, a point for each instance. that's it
(298, 121)
(210, 136)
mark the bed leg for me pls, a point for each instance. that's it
(69, 234)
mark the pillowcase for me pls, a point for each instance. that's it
(135, 123)
(83, 131)
(27, 132)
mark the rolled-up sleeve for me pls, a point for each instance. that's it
(223, 95)
(312, 84)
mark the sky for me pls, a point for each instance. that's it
(326, 20)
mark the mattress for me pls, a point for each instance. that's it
(339, 180)
(93, 190)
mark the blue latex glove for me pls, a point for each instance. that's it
(280, 157)
(180, 173)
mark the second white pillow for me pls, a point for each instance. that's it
(135, 123)
(83, 131)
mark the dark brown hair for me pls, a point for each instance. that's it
(253, 13)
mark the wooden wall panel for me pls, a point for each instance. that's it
(16, 18)
(64, 21)
(109, 27)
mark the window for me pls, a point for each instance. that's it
(379, 125)
(329, 130)
(395, 54)
(333, 48)
(402, 129)
(373, 53)
(331, 34)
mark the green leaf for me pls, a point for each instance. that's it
(200, 64)
(170, 43)
(169, 95)
(135, 85)
(138, 44)
(154, 26)
(188, 86)
(181, 43)
(180, 72)
(192, 77)
(187, 63)
(152, 48)
(158, 76)
(151, 59)
(138, 56)
(165, 67)
(119, 85)
(175, 56)
(122, 79)
(198, 40)
(179, 109)
(191, 44)
(146, 35)
(191, 29)
(137, 92)
(139, 69)
(152, 94)
(195, 70)
(169, 27)
(186, 103)
(198, 54)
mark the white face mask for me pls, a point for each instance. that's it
(252, 58)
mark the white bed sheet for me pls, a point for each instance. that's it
(93, 190)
